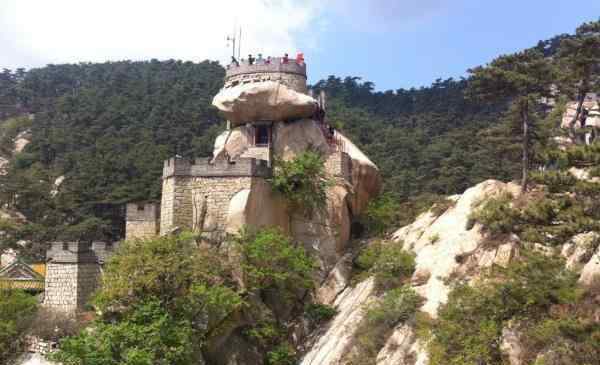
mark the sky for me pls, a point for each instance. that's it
(395, 44)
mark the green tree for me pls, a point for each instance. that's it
(16, 310)
(159, 299)
(302, 181)
(578, 60)
(523, 78)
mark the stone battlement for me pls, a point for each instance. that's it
(79, 252)
(203, 167)
(276, 66)
(142, 211)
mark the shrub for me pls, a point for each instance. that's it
(496, 214)
(388, 262)
(302, 181)
(382, 214)
(146, 334)
(557, 180)
(16, 311)
(318, 313)
(283, 354)
(381, 317)
(271, 261)
(469, 327)
(165, 267)
(159, 298)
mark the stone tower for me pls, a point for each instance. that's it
(290, 74)
(142, 220)
(271, 116)
(72, 274)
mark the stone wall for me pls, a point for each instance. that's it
(339, 165)
(211, 198)
(142, 220)
(291, 74)
(293, 81)
(200, 203)
(72, 273)
(259, 153)
(70, 285)
(196, 196)
(37, 345)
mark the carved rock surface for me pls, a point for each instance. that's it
(268, 100)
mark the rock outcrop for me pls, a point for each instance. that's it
(267, 100)
(593, 117)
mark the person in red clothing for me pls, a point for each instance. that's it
(300, 58)
(286, 58)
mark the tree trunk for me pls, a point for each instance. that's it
(525, 166)
(582, 92)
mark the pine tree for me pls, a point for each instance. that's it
(579, 60)
(522, 79)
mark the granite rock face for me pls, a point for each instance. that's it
(593, 108)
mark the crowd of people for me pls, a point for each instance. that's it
(259, 60)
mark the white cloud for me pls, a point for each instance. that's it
(33, 33)
(385, 15)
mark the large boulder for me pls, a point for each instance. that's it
(268, 100)
(366, 179)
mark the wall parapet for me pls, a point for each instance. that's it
(203, 167)
(79, 252)
(276, 65)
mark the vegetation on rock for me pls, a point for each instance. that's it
(552, 314)
(163, 299)
(388, 262)
(302, 181)
(381, 317)
(16, 311)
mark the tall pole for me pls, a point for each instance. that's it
(240, 44)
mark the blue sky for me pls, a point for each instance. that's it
(402, 43)
(443, 39)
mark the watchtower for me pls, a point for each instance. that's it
(288, 72)
(196, 194)
(142, 220)
(72, 273)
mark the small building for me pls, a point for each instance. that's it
(20, 275)
(73, 273)
(142, 220)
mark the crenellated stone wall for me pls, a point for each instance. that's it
(70, 285)
(290, 73)
(73, 273)
(142, 220)
(196, 196)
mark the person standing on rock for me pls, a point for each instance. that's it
(286, 58)
(260, 60)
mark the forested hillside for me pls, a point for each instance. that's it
(108, 127)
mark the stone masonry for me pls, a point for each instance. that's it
(196, 195)
(291, 74)
(72, 275)
(143, 220)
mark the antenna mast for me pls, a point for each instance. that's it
(235, 38)
(239, 44)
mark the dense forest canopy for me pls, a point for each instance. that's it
(107, 128)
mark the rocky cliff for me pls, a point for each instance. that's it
(448, 249)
